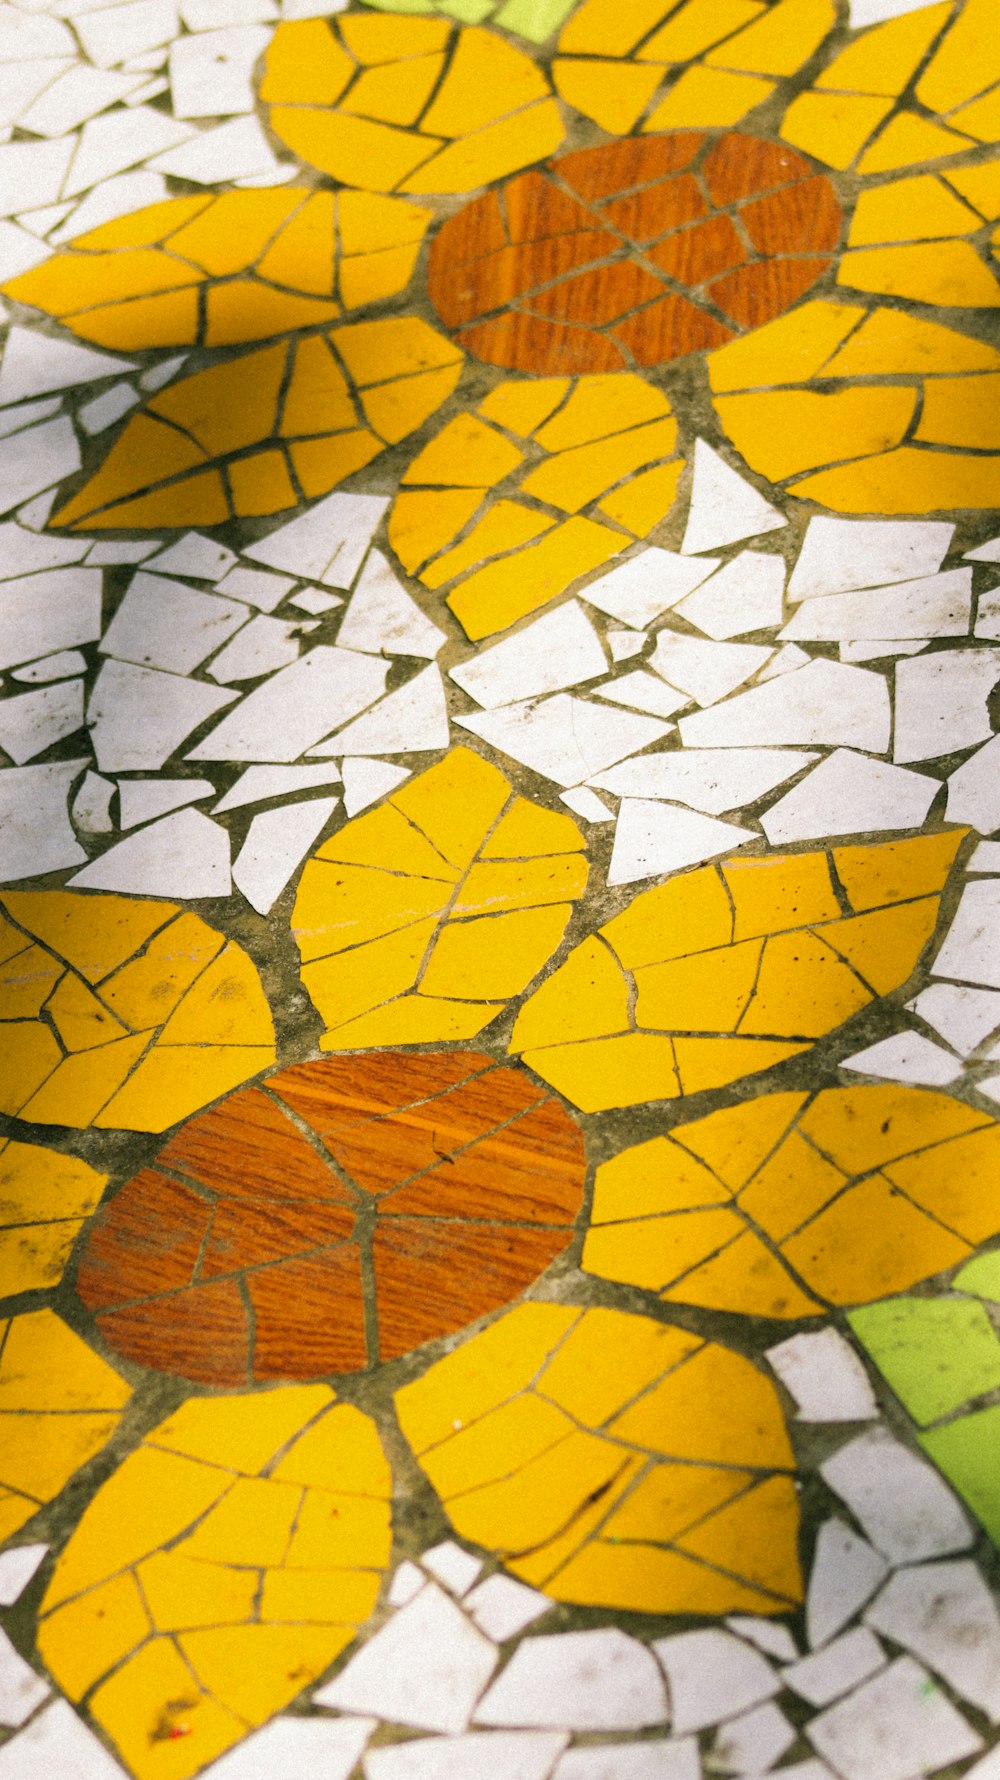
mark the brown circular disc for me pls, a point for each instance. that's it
(340, 1214)
(633, 253)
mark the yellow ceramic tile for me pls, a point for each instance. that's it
(343, 1598)
(495, 597)
(83, 1084)
(145, 227)
(755, 1537)
(465, 454)
(793, 348)
(791, 1187)
(979, 185)
(305, 64)
(243, 1432)
(181, 1592)
(421, 524)
(746, 1277)
(479, 1454)
(907, 481)
(353, 150)
(688, 914)
(835, 1253)
(645, 499)
(527, 1510)
(398, 408)
(171, 320)
(908, 209)
(487, 78)
(30, 1054)
(245, 310)
(587, 997)
(45, 1366)
(69, 281)
(650, 1579)
(504, 526)
(495, 885)
(735, 1140)
(894, 871)
(945, 272)
(708, 97)
(251, 1526)
(653, 1252)
(342, 987)
(891, 338)
(225, 1006)
(235, 229)
(614, 94)
(455, 803)
(172, 1082)
(80, 1019)
(478, 1376)
(804, 989)
(959, 1195)
(34, 1256)
(669, 1498)
(26, 982)
(85, 1638)
(369, 223)
(671, 1418)
(696, 26)
(397, 92)
(653, 1177)
(600, 406)
(772, 894)
(714, 1062)
(882, 60)
(37, 1183)
(862, 1128)
(607, 1360)
(784, 432)
(605, 1072)
(492, 153)
(371, 277)
(374, 39)
(571, 479)
(345, 1443)
(152, 985)
(95, 934)
(884, 947)
(341, 906)
(229, 405)
(526, 830)
(908, 140)
(164, 1726)
(962, 411)
(335, 1530)
(11, 941)
(383, 838)
(320, 464)
(261, 485)
(301, 254)
(494, 957)
(833, 127)
(521, 407)
(780, 41)
(45, 1450)
(710, 990)
(413, 1020)
(967, 61)
(600, 27)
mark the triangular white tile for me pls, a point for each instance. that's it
(186, 854)
(277, 842)
(652, 839)
(141, 800)
(845, 1574)
(723, 507)
(365, 781)
(410, 720)
(382, 617)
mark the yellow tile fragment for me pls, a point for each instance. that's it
(643, 500)
(884, 947)
(780, 41)
(174, 1081)
(967, 61)
(305, 64)
(602, 27)
(614, 94)
(587, 997)
(235, 229)
(487, 78)
(496, 956)
(772, 894)
(478, 1455)
(834, 127)
(652, 1177)
(908, 140)
(85, 1638)
(466, 453)
(696, 26)
(83, 1084)
(501, 148)
(413, 1020)
(397, 92)
(918, 208)
(145, 227)
(26, 982)
(332, 1598)
(604, 1072)
(755, 1537)
(504, 526)
(791, 349)
(353, 150)
(153, 1695)
(600, 406)
(496, 596)
(183, 1592)
(979, 185)
(784, 432)
(421, 524)
(80, 1019)
(655, 1251)
(95, 934)
(714, 1062)
(143, 991)
(302, 253)
(250, 1527)
(571, 479)
(949, 273)
(30, 1054)
(243, 1432)
(735, 1140)
(895, 871)
(882, 60)
(962, 411)
(745, 1276)
(480, 1375)
(889, 336)
(708, 97)
(374, 38)
(521, 407)
(651, 1579)
(336, 1529)
(397, 346)
(670, 1418)
(910, 480)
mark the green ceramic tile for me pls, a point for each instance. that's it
(935, 1353)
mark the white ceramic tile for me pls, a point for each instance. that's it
(941, 702)
(840, 554)
(677, 1759)
(711, 779)
(970, 951)
(807, 1770)
(643, 691)
(17, 1566)
(185, 854)
(845, 1573)
(19, 250)
(13, 420)
(411, 720)
(974, 789)
(138, 716)
(769, 1635)
(483, 1755)
(256, 587)
(112, 34)
(292, 1748)
(32, 721)
(112, 198)
(624, 644)
(57, 1743)
(713, 1676)
(211, 72)
(24, 35)
(933, 606)
(895, 1726)
(407, 1582)
(645, 586)
(990, 1086)
(706, 671)
(384, 619)
(988, 552)
(230, 151)
(96, 416)
(986, 857)
(747, 594)
(21, 1690)
(987, 623)
(259, 783)
(586, 803)
(33, 364)
(946, 1616)
(560, 649)
(35, 514)
(159, 375)
(200, 558)
(551, 1682)
(296, 707)
(26, 553)
(277, 842)
(32, 173)
(78, 94)
(209, 15)
(652, 839)
(113, 143)
(906, 1057)
(752, 1744)
(824, 1375)
(52, 610)
(92, 806)
(878, 650)
(262, 647)
(314, 601)
(365, 781)
(23, 81)
(426, 1667)
(141, 800)
(835, 1670)
(784, 661)
(987, 1769)
(35, 831)
(456, 1568)
(963, 1016)
(904, 1507)
(35, 459)
(849, 793)
(822, 702)
(163, 624)
(724, 507)
(502, 1607)
(565, 738)
(148, 62)
(121, 550)
(326, 543)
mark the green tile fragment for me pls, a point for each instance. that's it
(981, 1276)
(534, 19)
(935, 1353)
(968, 1452)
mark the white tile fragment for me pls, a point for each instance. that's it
(13, 420)
(24, 34)
(753, 1743)
(990, 1086)
(35, 832)
(560, 649)
(624, 644)
(47, 612)
(296, 707)
(121, 550)
(152, 90)
(986, 857)
(895, 1726)
(987, 1769)
(456, 1568)
(26, 553)
(710, 779)
(846, 1572)
(839, 1667)
(35, 514)
(849, 793)
(19, 250)
(206, 15)
(91, 806)
(261, 647)
(230, 151)
(211, 71)
(586, 803)
(974, 789)
(724, 507)
(163, 624)
(840, 554)
(384, 619)
(906, 1057)
(291, 1748)
(196, 556)
(79, 93)
(644, 586)
(141, 800)
(488, 1755)
(57, 1742)
(769, 1636)
(564, 738)
(96, 416)
(677, 1759)
(945, 1615)
(588, 1681)
(21, 1690)
(31, 174)
(185, 854)
(112, 34)
(32, 721)
(411, 720)
(502, 1607)
(988, 552)
(314, 601)
(746, 594)
(365, 781)
(160, 374)
(903, 1505)
(824, 1375)
(783, 661)
(652, 839)
(824, 701)
(963, 1016)
(941, 702)
(713, 1676)
(878, 649)
(808, 1770)
(932, 606)
(138, 716)
(987, 623)
(258, 783)
(970, 951)
(35, 459)
(407, 1581)
(876, 12)
(17, 1566)
(256, 587)
(707, 671)
(643, 691)
(112, 143)
(109, 200)
(426, 1667)
(277, 842)
(326, 543)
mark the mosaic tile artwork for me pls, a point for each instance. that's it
(499, 890)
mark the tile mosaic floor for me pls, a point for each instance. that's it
(499, 890)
